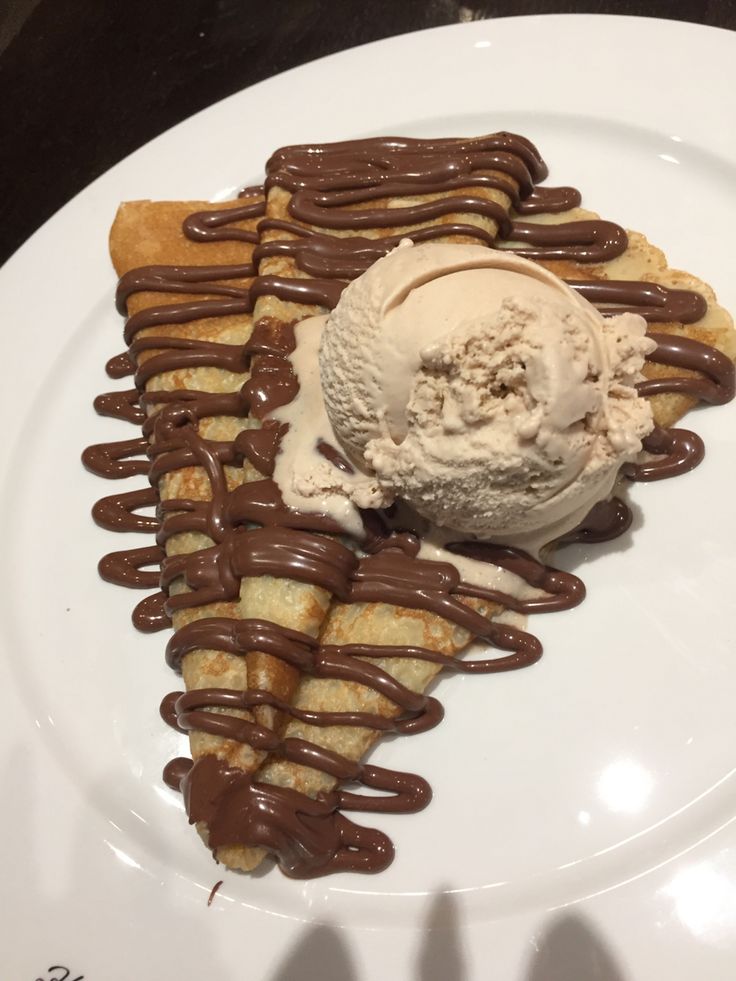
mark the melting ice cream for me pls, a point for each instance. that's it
(473, 384)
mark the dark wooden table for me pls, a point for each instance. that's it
(85, 82)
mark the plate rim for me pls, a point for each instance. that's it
(90, 194)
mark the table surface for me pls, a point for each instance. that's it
(85, 82)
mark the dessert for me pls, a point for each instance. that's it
(301, 634)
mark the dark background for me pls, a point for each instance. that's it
(85, 82)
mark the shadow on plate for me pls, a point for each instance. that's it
(570, 949)
(440, 956)
(322, 951)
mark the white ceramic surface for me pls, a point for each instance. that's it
(582, 826)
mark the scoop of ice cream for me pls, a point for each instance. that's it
(483, 390)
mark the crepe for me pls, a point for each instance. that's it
(149, 234)
(324, 225)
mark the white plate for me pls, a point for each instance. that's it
(582, 821)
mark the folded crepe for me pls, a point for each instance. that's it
(186, 269)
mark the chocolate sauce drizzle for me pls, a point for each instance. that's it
(342, 187)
